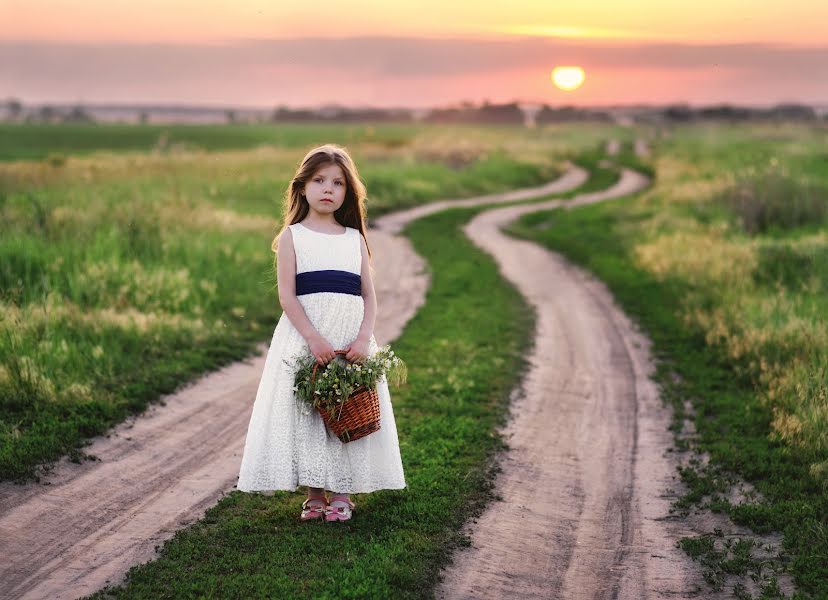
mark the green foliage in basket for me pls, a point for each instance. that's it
(337, 380)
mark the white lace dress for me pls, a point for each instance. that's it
(286, 446)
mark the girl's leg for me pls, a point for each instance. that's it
(316, 493)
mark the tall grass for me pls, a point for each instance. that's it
(125, 274)
(774, 200)
(758, 271)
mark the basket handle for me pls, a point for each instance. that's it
(316, 365)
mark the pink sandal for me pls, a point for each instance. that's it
(313, 508)
(339, 508)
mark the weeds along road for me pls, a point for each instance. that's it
(86, 524)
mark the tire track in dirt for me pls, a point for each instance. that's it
(584, 508)
(86, 524)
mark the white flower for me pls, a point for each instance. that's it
(318, 392)
(295, 388)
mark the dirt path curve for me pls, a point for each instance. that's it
(583, 511)
(87, 524)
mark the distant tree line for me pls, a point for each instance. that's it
(283, 113)
(548, 114)
(15, 111)
(510, 113)
(466, 112)
(727, 112)
(503, 114)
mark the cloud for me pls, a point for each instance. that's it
(74, 69)
(395, 56)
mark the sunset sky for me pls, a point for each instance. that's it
(260, 53)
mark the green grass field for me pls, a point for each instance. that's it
(125, 274)
(53, 142)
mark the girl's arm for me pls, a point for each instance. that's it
(359, 348)
(286, 282)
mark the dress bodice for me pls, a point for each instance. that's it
(317, 251)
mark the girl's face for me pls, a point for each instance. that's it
(325, 190)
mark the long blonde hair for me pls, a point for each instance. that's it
(352, 212)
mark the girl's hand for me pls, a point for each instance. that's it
(321, 349)
(357, 351)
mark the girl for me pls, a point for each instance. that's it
(327, 295)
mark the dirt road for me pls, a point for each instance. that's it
(87, 524)
(584, 509)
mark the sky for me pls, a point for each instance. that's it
(267, 53)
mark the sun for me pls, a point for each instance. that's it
(568, 78)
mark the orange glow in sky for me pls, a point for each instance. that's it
(412, 53)
(793, 21)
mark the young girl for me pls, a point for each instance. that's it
(327, 295)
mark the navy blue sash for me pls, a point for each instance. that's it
(342, 282)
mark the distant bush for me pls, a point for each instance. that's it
(775, 200)
(56, 159)
(792, 266)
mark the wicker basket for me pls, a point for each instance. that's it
(356, 417)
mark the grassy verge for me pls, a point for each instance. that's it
(55, 142)
(254, 546)
(734, 326)
(123, 276)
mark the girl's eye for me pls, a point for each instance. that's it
(338, 183)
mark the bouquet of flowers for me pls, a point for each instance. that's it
(344, 393)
